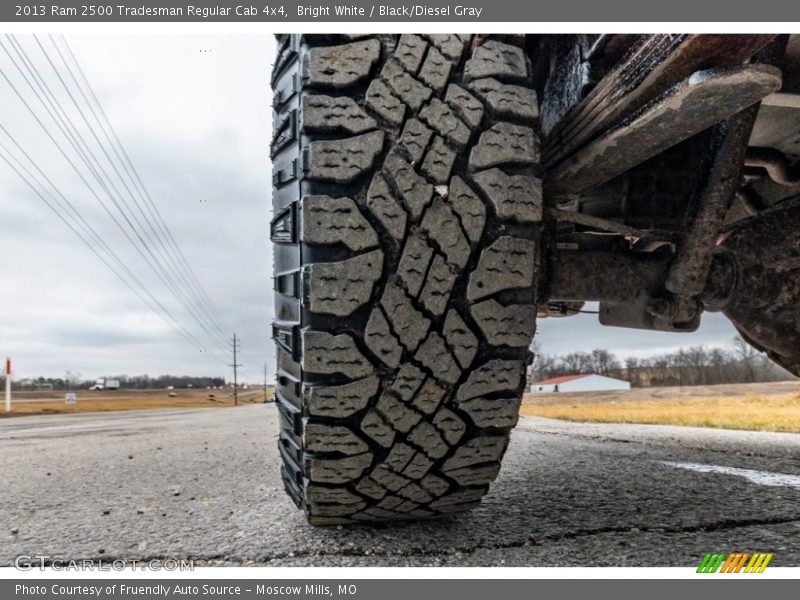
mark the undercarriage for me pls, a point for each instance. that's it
(671, 181)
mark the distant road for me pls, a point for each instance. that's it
(25, 397)
(205, 485)
(17, 399)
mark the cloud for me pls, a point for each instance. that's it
(197, 127)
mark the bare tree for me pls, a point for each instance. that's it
(604, 362)
(71, 380)
(748, 357)
(696, 365)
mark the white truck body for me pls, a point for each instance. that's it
(105, 384)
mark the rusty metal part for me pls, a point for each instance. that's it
(651, 66)
(689, 271)
(676, 310)
(775, 163)
(764, 302)
(601, 276)
(721, 281)
(666, 313)
(628, 286)
(705, 98)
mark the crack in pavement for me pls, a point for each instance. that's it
(723, 525)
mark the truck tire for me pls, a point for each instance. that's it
(406, 226)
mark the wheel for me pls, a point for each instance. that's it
(406, 227)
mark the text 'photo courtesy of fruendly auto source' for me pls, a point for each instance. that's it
(280, 291)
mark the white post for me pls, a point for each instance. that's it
(8, 384)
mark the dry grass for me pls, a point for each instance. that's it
(760, 413)
(102, 401)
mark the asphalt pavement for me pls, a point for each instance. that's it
(204, 484)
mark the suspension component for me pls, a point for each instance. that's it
(705, 98)
(689, 270)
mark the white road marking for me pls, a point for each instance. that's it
(766, 478)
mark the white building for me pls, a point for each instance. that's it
(589, 382)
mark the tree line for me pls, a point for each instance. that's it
(695, 365)
(75, 381)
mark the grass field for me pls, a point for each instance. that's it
(763, 407)
(760, 407)
(34, 403)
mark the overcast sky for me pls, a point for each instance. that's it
(193, 113)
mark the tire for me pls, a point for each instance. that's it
(406, 228)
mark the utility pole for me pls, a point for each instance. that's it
(8, 384)
(235, 366)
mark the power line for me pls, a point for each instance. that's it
(75, 139)
(170, 260)
(163, 232)
(159, 309)
(115, 197)
(119, 150)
